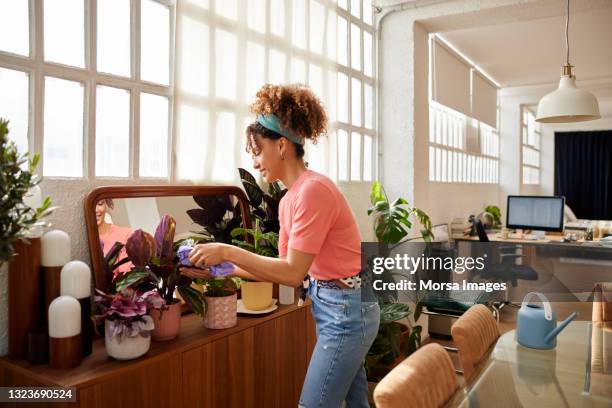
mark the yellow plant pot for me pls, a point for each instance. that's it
(256, 295)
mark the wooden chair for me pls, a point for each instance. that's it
(602, 302)
(426, 379)
(474, 333)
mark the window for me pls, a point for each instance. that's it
(355, 84)
(530, 147)
(100, 91)
(225, 53)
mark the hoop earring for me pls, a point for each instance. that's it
(282, 156)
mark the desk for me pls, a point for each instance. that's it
(260, 362)
(578, 373)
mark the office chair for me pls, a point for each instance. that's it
(507, 270)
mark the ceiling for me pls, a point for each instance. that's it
(530, 52)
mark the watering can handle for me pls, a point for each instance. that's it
(545, 302)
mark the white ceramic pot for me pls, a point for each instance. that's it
(129, 347)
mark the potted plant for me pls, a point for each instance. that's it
(394, 341)
(221, 302)
(156, 268)
(127, 327)
(256, 295)
(17, 178)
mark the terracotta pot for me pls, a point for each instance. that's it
(129, 347)
(256, 295)
(167, 322)
(221, 312)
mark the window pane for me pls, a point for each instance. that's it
(317, 26)
(114, 37)
(226, 61)
(355, 47)
(332, 35)
(14, 106)
(299, 23)
(277, 17)
(343, 101)
(191, 143)
(355, 156)
(200, 3)
(63, 130)
(153, 136)
(368, 106)
(315, 80)
(298, 71)
(14, 29)
(256, 57)
(227, 8)
(256, 15)
(356, 102)
(367, 11)
(225, 148)
(65, 32)
(343, 4)
(155, 43)
(367, 158)
(276, 68)
(342, 41)
(356, 8)
(342, 154)
(112, 132)
(194, 57)
(368, 57)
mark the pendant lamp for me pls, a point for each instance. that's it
(568, 103)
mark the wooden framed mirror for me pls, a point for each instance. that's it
(112, 213)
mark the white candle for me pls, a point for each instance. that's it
(76, 280)
(64, 317)
(55, 248)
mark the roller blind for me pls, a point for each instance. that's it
(451, 79)
(484, 99)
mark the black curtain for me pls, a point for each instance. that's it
(583, 172)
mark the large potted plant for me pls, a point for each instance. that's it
(394, 341)
(17, 179)
(156, 268)
(256, 295)
(127, 327)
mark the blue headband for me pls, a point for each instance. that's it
(272, 123)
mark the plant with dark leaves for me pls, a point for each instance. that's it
(263, 206)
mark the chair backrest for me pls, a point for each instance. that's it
(602, 302)
(480, 230)
(474, 333)
(426, 379)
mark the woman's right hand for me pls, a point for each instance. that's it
(196, 273)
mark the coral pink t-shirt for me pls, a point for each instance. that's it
(315, 218)
(117, 234)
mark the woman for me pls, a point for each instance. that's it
(318, 236)
(110, 234)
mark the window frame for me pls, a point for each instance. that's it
(527, 110)
(37, 69)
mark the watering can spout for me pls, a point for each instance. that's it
(550, 336)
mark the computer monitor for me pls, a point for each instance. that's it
(540, 213)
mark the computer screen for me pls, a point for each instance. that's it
(535, 212)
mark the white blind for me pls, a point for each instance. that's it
(484, 99)
(451, 79)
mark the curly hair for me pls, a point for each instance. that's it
(296, 106)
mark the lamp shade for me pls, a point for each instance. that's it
(76, 280)
(64, 317)
(55, 248)
(567, 104)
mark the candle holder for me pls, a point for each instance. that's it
(76, 282)
(64, 333)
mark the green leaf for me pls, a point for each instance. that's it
(129, 279)
(193, 298)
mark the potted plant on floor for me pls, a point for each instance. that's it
(156, 268)
(127, 327)
(256, 295)
(394, 341)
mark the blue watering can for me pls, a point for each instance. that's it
(536, 325)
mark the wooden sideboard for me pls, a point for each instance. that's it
(261, 362)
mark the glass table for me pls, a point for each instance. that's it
(577, 373)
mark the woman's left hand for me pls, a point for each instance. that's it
(203, 255)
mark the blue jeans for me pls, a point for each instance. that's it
(346, 328)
